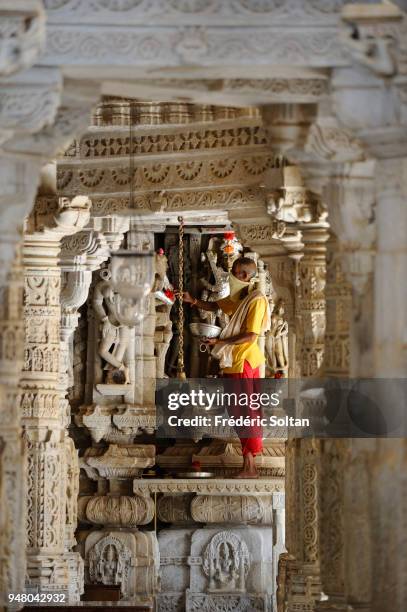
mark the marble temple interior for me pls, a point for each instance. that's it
(276, 130)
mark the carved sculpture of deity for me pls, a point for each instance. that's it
(277, 340)
(115, 336)
(164, 293)
(109, 566)
(216, 290)
(226, 562)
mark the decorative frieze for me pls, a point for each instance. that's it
(194, 11)
(102, 143)
(109, 176)
(261, 233)
(300, 87)
(225, 486)
(173, 46)
(198, 199)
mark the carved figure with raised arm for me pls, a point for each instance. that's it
(115, 336)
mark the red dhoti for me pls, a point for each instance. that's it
(253, 440)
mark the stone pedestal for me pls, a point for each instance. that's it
(216, 567)
(232, 559)
(224, 458)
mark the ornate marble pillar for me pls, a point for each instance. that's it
(302, 563)
(13, 460)
(140, 239)
(311, 298)
(349, 193)
(51, 567)
(390, 319)
(303, 582)
(338, 312)
(331, 525)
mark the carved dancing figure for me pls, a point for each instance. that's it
(214, 291)
(277, 340)
(114, 334)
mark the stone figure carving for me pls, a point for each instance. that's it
(164, 293)
(115, 337)
(109, 561)
(216, 290)
(377, 53)
(277, 340)
(226, 562)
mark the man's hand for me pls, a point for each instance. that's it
(212, 341)
(186, 297)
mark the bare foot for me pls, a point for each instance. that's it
(247, 474)
(249, 468)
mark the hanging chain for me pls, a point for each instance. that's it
(131, 156)
(180, 363)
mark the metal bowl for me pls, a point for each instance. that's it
(205, 330)
(194, 475)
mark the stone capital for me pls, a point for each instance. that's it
(54, 218)
(29, 100)
(22, 35)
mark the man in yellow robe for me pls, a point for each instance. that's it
(237, 347)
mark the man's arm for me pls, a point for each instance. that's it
(238, 339)
(209, 306)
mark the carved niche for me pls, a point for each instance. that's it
(226, 562)
(109, 562)
(130, 560)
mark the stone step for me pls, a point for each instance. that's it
(94, 606)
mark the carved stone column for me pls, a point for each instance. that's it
(45, 411)
(12, 461)
(141, 239)
(338, 312)
(302, 564)
(303, 583)
(331, 525)
(350, 199)
(390, 321)
(311, 299)
(389, 575)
